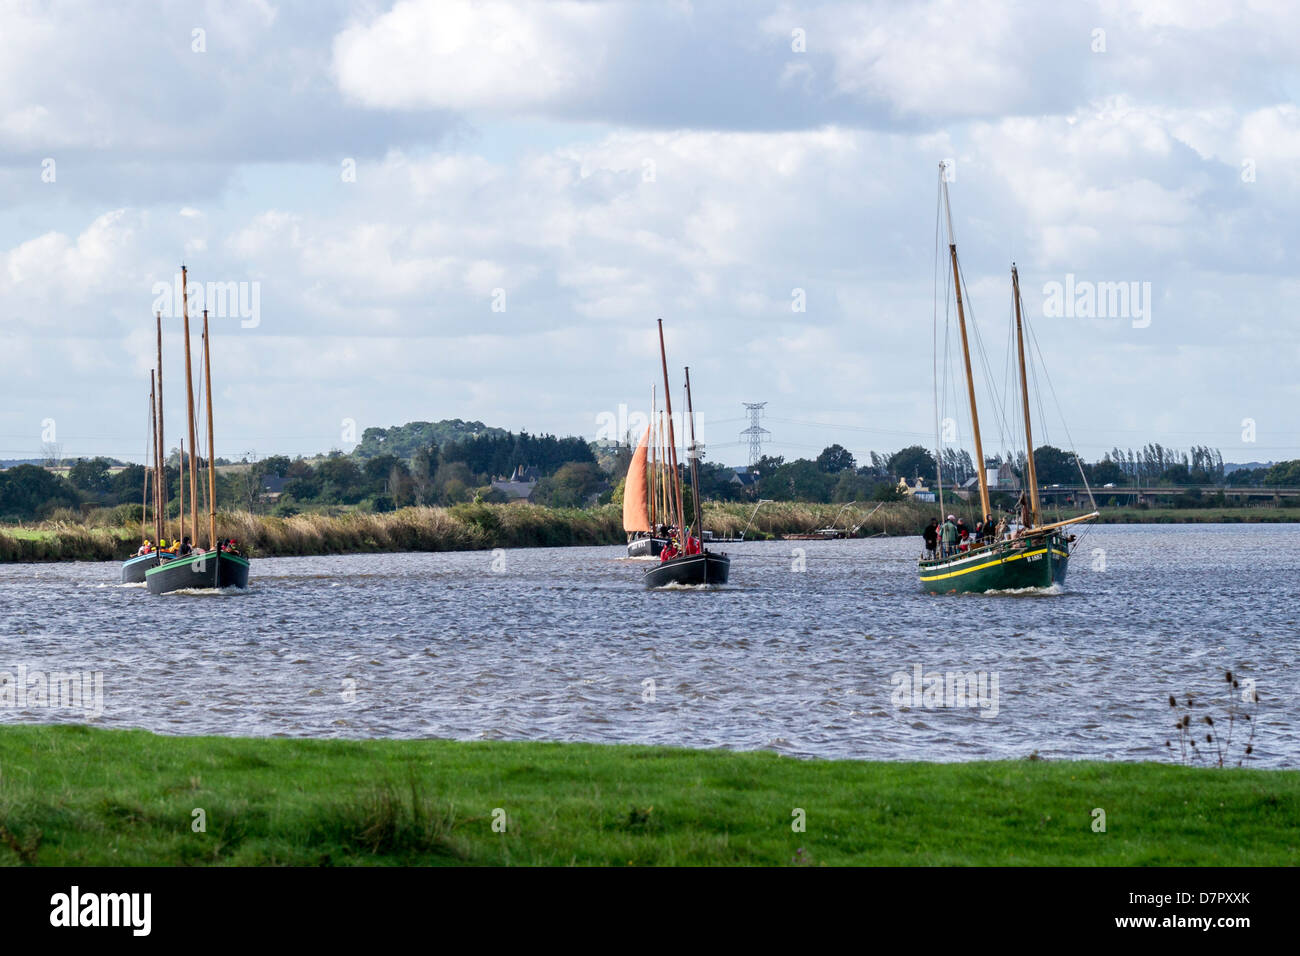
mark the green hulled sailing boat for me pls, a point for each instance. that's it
(1036, 555)
(218, 566)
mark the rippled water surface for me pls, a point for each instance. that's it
(562, 644)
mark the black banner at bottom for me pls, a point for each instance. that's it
(338, 905)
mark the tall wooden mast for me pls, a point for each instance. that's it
(693, 456)
(180, 484)
(160, 453)
(662, 470)
(676, 490)
(1034, 513)
(965, 351)
(148, 478)
(189, 407)
(212, 458)
(654, 466)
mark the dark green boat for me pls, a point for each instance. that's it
(1016, 564)
(1037, 555)
(133, 569)
(219, 566)
(206, 571)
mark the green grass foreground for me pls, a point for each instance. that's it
(72, 796)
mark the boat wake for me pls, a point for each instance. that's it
(1049, 591)
(677, 586)
(211, 592)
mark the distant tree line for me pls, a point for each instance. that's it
(450, 462)
(460, 469)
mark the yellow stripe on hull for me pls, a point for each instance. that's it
(987, 564)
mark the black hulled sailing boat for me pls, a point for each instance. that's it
(705, 566)
(1037, 555)
(644, 502)
(217, 567)
(643, 537)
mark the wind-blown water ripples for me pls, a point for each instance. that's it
(564, 644)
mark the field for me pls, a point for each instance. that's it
(70, 795)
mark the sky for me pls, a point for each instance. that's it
(437, 209)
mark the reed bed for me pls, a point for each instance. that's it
(104, 536)
(778, 518)
(66, 541)
(460, 528)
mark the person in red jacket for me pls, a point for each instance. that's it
(670, 550)
(692, 545)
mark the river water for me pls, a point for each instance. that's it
(811, 651)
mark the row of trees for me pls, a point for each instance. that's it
(835, 476)
(460, 469)
(461, 460)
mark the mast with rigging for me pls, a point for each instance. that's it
(1035, 514)
(675, 492)
(212, 459)
(189, 407)
(693, 456)
(965, 352)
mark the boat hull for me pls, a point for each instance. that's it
(204, 571)
(133, 569)
(1033, 562)
(690, 569)
(645, 547)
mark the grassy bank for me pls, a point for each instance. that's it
(458, 528)
(74, 796)
(795, 517)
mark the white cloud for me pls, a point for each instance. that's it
(676, 160)
(462, 55)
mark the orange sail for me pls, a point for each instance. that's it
(635, 515)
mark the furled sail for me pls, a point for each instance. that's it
(635, 514)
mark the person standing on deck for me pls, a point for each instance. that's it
(949, 535)
(931, 536)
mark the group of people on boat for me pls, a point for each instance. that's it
(954, 536)
(181, 548)
(673, 546)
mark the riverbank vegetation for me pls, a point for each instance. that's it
(114, 533)
(72, 796)
(453, 462)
